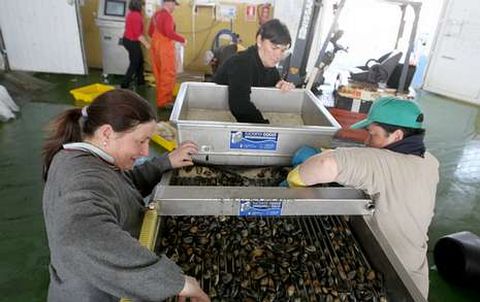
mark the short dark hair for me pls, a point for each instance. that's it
(135, 5)
(406, 131)
(275, 31)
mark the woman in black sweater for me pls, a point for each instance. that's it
(255, 67)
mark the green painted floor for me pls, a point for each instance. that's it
(452, 135)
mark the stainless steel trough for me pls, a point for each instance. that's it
(302, 206)
(297, 118)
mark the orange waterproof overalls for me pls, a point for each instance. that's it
(163, 66)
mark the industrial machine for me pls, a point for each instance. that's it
(246, 239)
(295, 65)
(111, 23)
(219, 52)
(377, 71)
(227, 222)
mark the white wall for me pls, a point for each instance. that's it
(42, 35)
(454, 67)
(289, 12)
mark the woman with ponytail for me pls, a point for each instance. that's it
(93, 204)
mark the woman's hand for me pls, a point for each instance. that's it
(144, 41)
(192, 290)
(284, 85)
(182, 156)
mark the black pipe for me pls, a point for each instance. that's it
(457, 257)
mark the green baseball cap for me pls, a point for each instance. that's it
(393, 111)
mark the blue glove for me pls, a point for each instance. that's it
(284, 184)
(303, 153)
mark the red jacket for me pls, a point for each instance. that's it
(133, 25)
(162, 21)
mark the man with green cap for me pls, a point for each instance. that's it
(395, 170)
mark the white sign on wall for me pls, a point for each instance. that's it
(226, 12)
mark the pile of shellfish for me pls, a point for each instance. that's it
(306, 258)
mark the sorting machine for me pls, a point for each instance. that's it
(228, 223)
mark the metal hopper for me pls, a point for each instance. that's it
(297, 118)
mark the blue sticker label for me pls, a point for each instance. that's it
(252, 140)
(260, 208)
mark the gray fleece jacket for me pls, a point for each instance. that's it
(93, 214)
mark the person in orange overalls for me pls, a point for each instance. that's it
(162, 31)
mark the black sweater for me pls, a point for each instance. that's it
(240, 73)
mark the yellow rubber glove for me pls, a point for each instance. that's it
(294, 179)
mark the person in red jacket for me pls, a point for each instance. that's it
(162, 31)
(132, 38)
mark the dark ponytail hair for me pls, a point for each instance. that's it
(120, 108)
